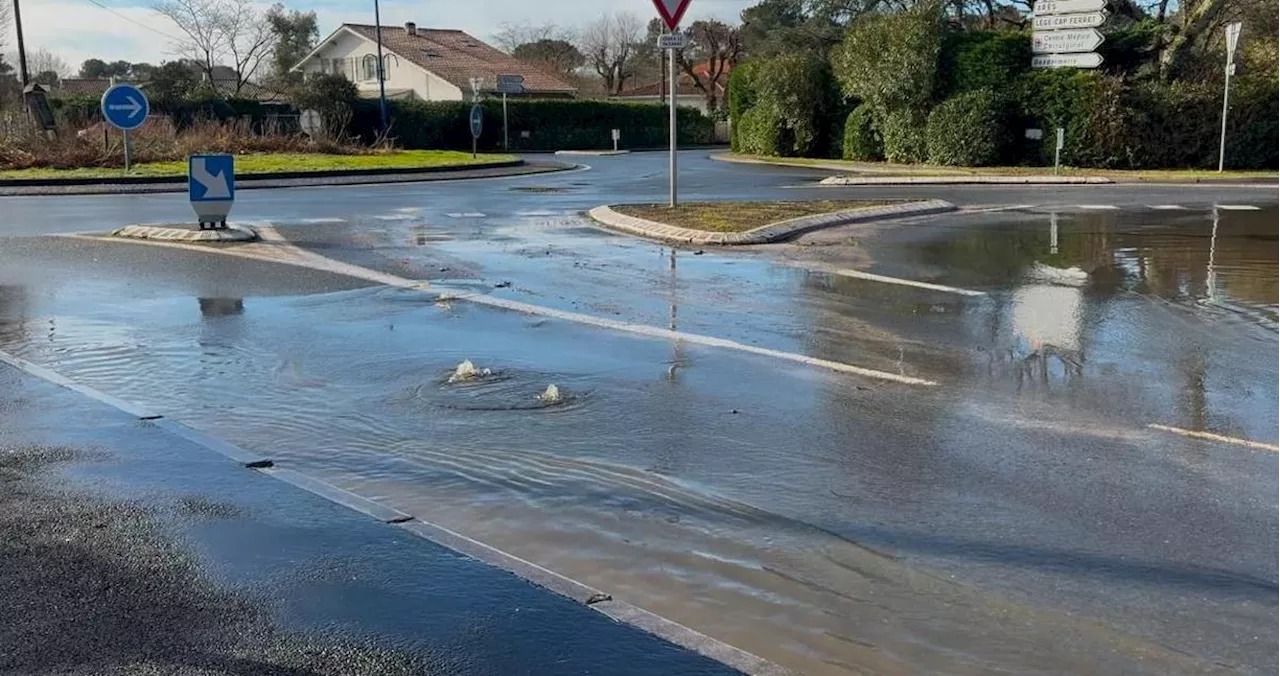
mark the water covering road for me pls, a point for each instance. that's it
(1021, 516)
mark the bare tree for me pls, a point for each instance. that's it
(715, 48)
(514, 35)
(221, 32)
(44, 61)
(609, 44)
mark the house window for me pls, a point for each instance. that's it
(335, 67)
(370, 67)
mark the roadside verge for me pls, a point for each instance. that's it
(773, 232)
(295, 179)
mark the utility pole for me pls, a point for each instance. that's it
(1233, 37)
(382, 80)
(22, 50)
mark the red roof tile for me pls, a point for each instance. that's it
(457, 57)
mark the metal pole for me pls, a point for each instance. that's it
(506, 145)
(1226, 98)
(382, 80)
(671, 54)
(127, 158)
(22, 50)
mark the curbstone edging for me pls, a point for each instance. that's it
(764, 234)
(963, 180)
(232, 233)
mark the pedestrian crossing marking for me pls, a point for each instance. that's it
(1168, 207)
(1237, 207)
(1097, 207)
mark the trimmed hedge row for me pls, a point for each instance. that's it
(546, 124)
(985, 96)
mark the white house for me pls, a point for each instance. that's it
(423, 63)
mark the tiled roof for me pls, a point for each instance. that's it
(457, 57)
(655, 89)
(94, 86)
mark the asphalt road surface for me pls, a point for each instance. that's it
(1058, 453)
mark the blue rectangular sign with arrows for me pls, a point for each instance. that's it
(211, 178)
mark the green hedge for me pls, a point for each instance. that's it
(742, 96)
(969, 130)
(760, 132)
(903, 132)
(81, 111)
(862, 140)
(546, 124)
(973, 60)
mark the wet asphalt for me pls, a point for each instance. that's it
(1021, 516)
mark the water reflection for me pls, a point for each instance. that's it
(212, 308)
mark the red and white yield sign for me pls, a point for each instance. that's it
(672, 11)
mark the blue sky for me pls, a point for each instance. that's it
(77, 29)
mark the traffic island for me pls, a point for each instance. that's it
(188, 233)
(742, 223)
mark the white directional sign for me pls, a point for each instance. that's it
(1073, 40)
(211, 187)
(1051, 22)
(1068, 6)
(1085, 60)
(672, 41)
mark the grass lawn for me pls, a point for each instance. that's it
(735, 216)
(281, 162)
(888, 169)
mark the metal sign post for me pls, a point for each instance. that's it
(125, 107)
(508, 84)
(1233, 38)
(1057, 149)
(671, 12)
(211, 188)
(616, 135)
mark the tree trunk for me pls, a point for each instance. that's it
(1198, 19)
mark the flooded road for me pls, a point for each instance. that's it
(1021, 516)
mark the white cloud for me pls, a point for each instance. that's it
(78, 30)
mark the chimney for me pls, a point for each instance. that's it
(410, 28)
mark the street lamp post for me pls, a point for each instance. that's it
(22, 50)
(1233, 37)
(382, 80)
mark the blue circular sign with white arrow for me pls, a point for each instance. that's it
(125, 107)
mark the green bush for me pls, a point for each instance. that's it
(862, 140)
(1101, 130)
(798, 88)
(742, 96)
(534, 124)
(1253, 132)
(972, 60)
(903, 132)
(760, 132)
(890, 61)
(968, 130)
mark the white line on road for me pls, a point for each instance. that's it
(465, 214)
(1097, 207)
(1167, 207)
(1237, 207)
(279, 250)
(1210, 436)
(858, 274)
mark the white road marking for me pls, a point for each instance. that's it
(1237, 207)
(1167, 207)
(1097, 207)
(981, 209)
(282, 251)
(536, 213)
(465, 214)
(858, 274)
(1210, 436)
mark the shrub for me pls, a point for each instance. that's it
(760, 132)
(972, 60)
(890, 61)
(334, 97)
(550, 124)
(1253, 132)
(862, 140)
(968, 130)
(742, 96)
(903, 132)
(1101, 130)
(798, 88)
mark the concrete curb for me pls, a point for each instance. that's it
(593, 153)
(773, 232)
(963, 180)
(232, 233)
(673, 632)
